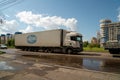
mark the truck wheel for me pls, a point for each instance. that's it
(50, 50)
(69, 51)
(26, 49)
(37, 50)
(114, 52)
(23, 49)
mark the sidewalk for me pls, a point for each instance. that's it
(48, 72)
(81, 74)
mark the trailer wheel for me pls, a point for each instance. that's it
(37, 50)
(46, 50)
(49, 50)
(23, 49)
(26, 49)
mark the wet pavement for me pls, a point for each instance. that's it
(40, 66)
(102, 65)
(107, 65)
(91, 63)
(5, 66)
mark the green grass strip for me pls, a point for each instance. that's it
(1, 52)
(95, 49)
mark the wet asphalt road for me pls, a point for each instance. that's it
(92, 61)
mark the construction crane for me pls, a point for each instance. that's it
(4, 4)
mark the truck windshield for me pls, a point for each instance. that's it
(76, 38)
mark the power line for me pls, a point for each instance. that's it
(4, 4)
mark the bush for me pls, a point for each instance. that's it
(93, 45)
(85, 43)
(2, 52)
(10, 42)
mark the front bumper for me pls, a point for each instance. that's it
(78, 49)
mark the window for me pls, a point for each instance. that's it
(73, 38)
(76, 38)
(79, 38)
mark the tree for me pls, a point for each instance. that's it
(90, 45)
(11, 42)
(85, 43)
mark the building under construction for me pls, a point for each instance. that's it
(110, 31)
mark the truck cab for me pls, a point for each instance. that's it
(74, 42)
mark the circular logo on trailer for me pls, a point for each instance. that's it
(31, 39)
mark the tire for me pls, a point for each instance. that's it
(23, 49)
(37, 50)
(46, 50)
(114, 51)
(50, 50)
(69, 51)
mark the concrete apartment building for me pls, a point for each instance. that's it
(110, 31)
(5, 37)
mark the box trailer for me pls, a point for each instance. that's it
(50, 41)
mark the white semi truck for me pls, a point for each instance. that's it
(50, 41)
(110, 36)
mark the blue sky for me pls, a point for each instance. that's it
(67, 14)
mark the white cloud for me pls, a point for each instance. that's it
(71, 24)
(28, 29)
(46, 22)
(8, 27)
(118, 14)
(119, 17)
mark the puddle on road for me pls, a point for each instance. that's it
(102, 65)
(79, 62)
(91, 64)
(5, 66)
(13, 65)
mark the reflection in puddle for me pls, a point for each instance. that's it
(4, 66)
(102, 65)
(79, 62)
(91, 64)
